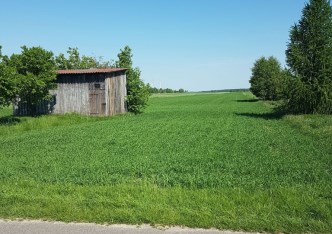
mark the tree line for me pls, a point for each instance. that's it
(165, 90)
(225, 91)
(305, 85)
(30, 75)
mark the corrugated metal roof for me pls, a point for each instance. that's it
(90, 71)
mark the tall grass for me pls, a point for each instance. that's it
(10, 124)
(222, 160)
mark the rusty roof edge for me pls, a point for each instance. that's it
(89, 71)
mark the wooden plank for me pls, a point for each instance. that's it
(116, 93)
(73, 94)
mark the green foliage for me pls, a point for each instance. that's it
(75, 61)
(29, 75)
(7, 83)
(35, 75)
(309, 57)
(137, 92)
(267, 79)
(61, 62)
(89, 62)
(35, 60)
(200, 160)
(8, 88)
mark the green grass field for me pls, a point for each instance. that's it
(219, 160)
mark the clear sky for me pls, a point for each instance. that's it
(191, 44)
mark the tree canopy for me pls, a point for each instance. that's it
(267, 79)
(36, 73)
(29, 75)
(309, 57)
(137, 92)
(8, 88)
(76, 61)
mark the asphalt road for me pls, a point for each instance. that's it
(44, 227)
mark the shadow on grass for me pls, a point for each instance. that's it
(9, 120)
(249, 100)
(266, 116)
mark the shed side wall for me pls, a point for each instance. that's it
(115, 89)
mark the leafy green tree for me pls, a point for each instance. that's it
(75, 61)
(8, 86)
(267, 79)
(88, 62)
(61, 62)
(309, 57)
(93, 62)
(137, 92)
(35, 75)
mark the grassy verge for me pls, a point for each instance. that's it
(222, 160)
(293, 209)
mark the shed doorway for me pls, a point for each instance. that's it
(97, 99)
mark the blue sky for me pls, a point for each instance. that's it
(191, 44)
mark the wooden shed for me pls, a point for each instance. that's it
(84, 91)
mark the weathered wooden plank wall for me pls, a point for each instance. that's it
(72, 97)
(123, 95)
(115, 89)
(73, 92)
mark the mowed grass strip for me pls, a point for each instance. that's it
(203, 160)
